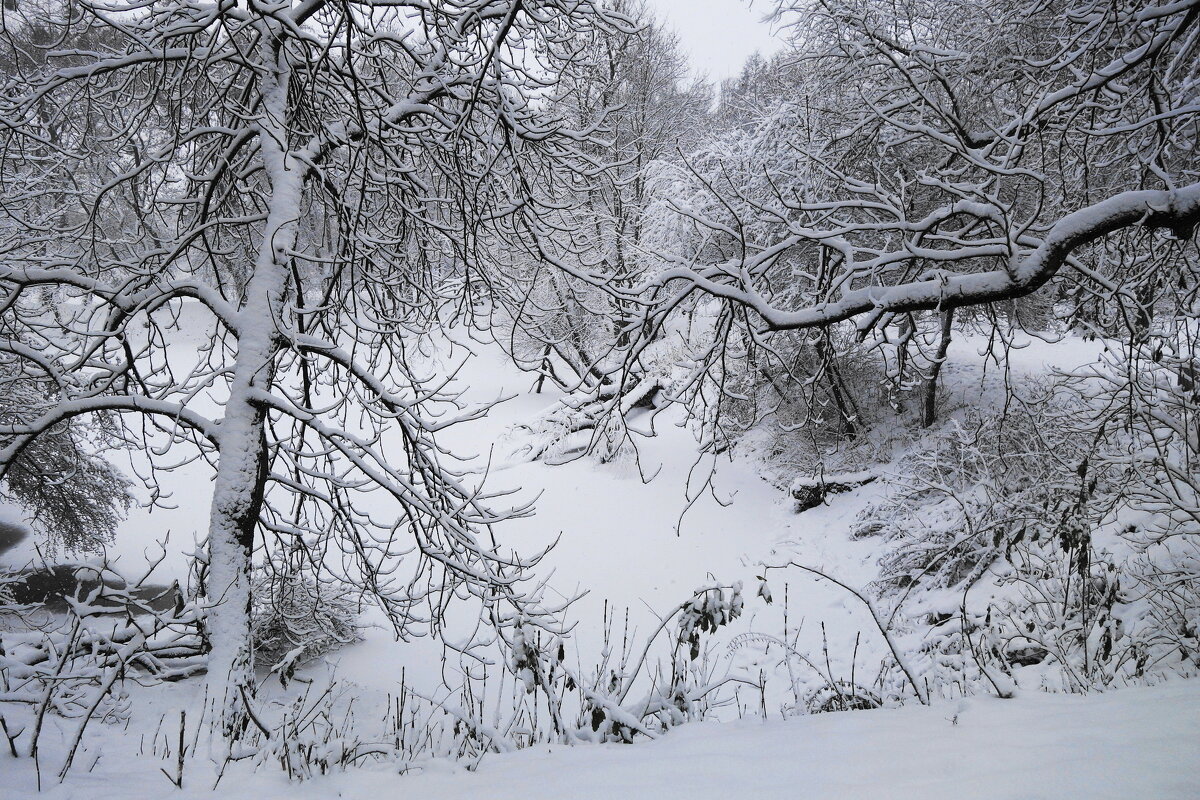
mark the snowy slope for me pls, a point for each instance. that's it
(622, 545)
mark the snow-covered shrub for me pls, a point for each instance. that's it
(681, 683)
(296, 618)
(841, 695)
(597, 421)
(704, 613)
(75, 663)
(1008, 546)
(1152, 388)
(965, 497)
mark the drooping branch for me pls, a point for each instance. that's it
(1177, 211)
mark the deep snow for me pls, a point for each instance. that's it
(1135, 743)
(623, 544)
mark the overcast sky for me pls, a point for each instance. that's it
(718, 35)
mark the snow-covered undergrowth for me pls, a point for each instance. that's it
(698, 594)
(1141, 742)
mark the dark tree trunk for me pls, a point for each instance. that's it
(929, 400)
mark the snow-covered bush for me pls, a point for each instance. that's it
(296, 618)
(598, 421)
(680, 684)
(1008, 546)
(636, 688)
(964, 497)
(80, 664)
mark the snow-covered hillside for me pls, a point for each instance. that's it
(466, 398)
(633, 538)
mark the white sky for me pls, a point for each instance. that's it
(718, 35)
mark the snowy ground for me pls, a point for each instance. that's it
(622, 544)
(1136, 743)
(1142, 743)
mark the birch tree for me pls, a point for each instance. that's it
(308, 173)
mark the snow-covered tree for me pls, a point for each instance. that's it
(75, 496)
(308, 174)
(561, 325)
(933, 157)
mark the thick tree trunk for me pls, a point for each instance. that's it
(243, 464)
(237, 501)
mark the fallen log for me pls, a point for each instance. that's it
(810, 492)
